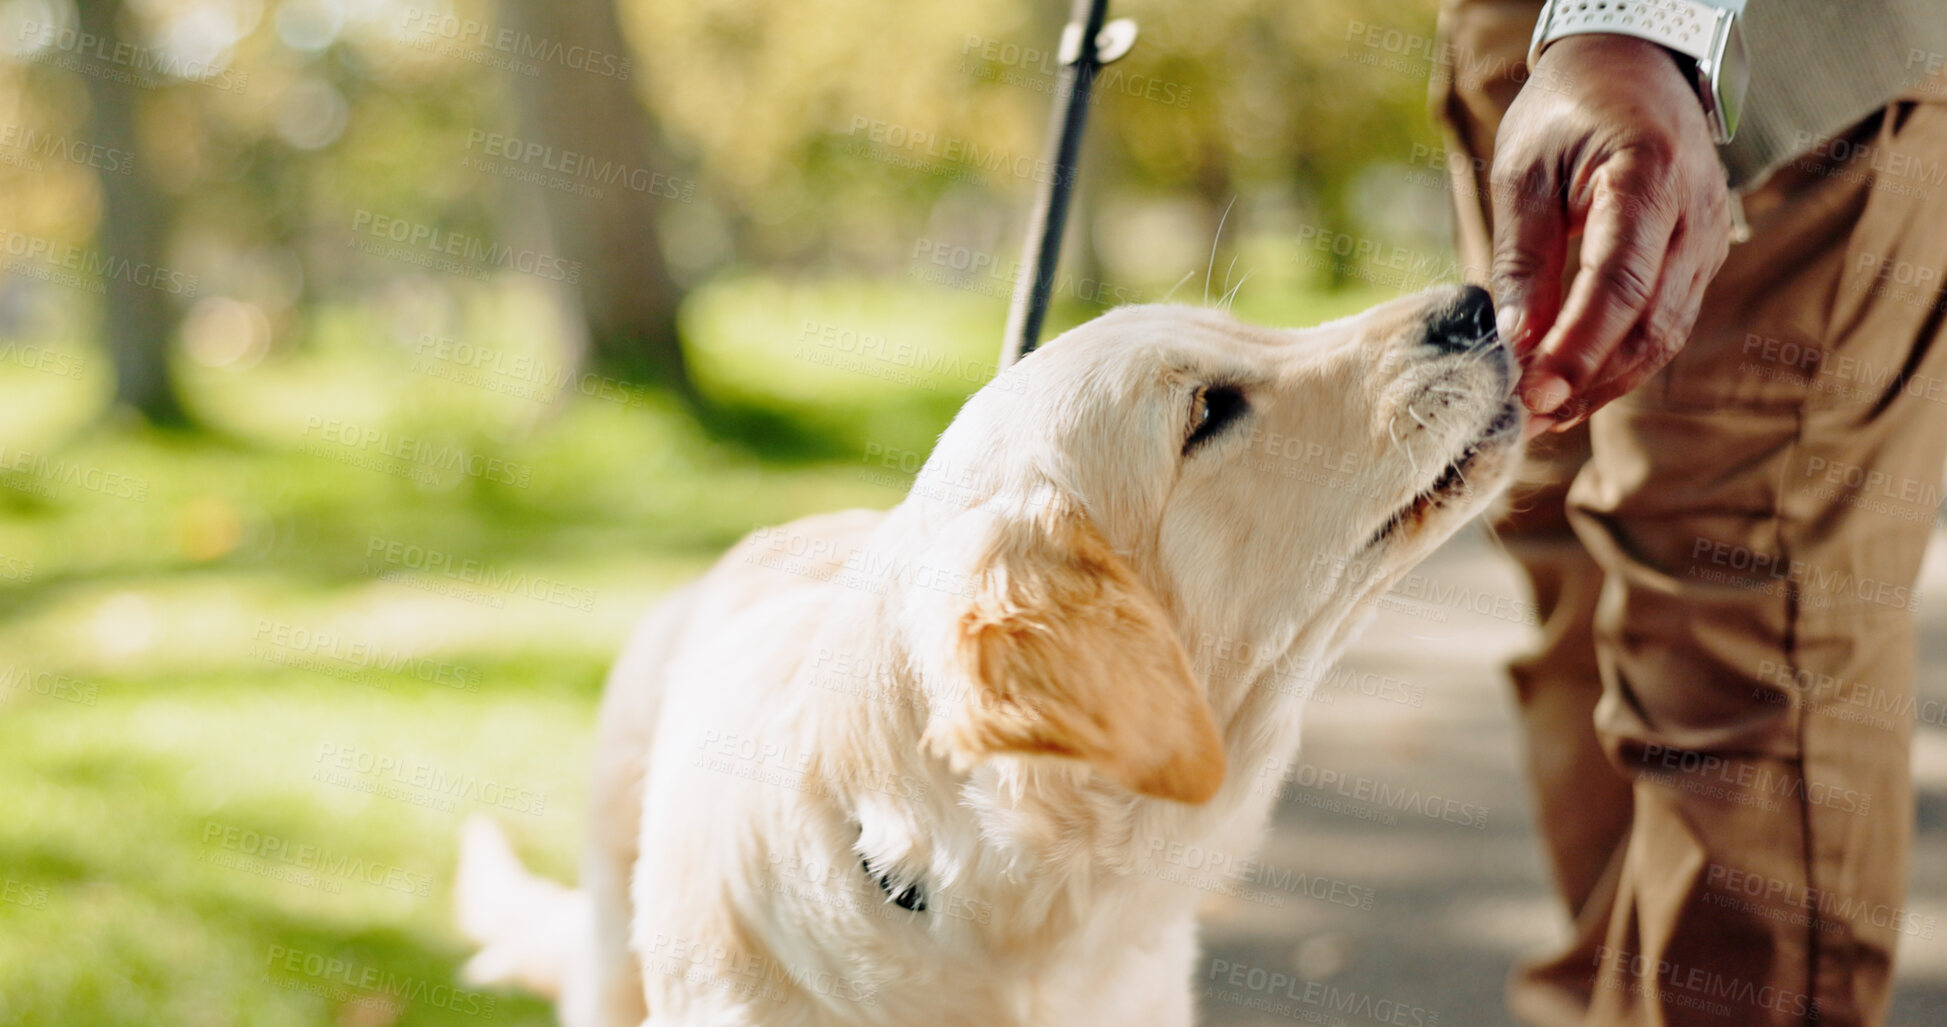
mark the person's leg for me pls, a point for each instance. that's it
(1582, 802)
(1759, 510)
(1786, 293)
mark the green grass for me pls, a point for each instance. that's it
(247, 643)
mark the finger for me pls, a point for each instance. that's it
(1530, 251)
(1651, 345)
(1627, 235)
(1698, 248)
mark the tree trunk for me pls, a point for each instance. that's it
(137, 320)
(628, 299)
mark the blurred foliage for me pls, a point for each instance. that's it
(801, 137)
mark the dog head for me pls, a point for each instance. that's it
(1163, 475)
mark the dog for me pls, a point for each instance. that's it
(912, 766)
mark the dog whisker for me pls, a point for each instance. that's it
(1232, 266)
(1231, 297)
(1414, 414)
(1494, 536)
(1402, 450)
(1187, 275)
(1212, 266)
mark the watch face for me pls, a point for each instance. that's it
(1730, 77)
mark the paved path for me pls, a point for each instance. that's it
(1407, 909)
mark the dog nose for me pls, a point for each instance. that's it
(1465, 323)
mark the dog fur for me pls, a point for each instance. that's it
(911, 767)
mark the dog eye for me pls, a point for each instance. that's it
(1212, 409)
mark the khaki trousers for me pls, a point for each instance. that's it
(1719, 713)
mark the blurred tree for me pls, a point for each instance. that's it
(832, 131)
(821, 138)
(137, 319)
(628, 299)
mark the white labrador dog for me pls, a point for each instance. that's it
(907, 767)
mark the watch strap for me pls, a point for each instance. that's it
(1686, 26)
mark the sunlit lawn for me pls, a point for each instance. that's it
(252, 680)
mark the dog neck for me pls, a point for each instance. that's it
(1028, 843)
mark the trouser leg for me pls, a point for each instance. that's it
(1759, 511)
(1764, 718)
(1582, 803)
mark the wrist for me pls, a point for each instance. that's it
(1703, 38)
(1606, 56)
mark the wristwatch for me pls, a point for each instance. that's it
(1706, 34)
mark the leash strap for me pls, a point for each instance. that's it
(1085, 47)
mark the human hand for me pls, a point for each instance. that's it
(1608, 140)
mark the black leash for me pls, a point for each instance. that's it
(1085, 47)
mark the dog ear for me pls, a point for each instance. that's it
(1050, 645)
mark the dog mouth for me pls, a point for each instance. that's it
(1452, 481)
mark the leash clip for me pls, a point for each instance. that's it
(1115, 40)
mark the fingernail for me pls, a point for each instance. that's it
(1561, 426)
(1544, 392)
(1537, 426)
(1507, 321)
